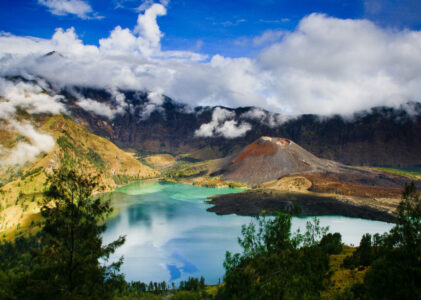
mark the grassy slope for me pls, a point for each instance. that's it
(341, 278)
(160, 160)
(413, 174)
(93, 155)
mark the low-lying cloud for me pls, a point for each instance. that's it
(264, 117)
(24, 152)
(325, 66)
(34, 100)
(27, 96)
(116, 106)
(224, 125)
(155, 101)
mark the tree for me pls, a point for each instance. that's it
(363, 256)
(276, 264)
(332, 243)
(396, 274)
(394, 258)
(71, 255)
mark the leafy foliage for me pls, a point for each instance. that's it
(394, 258)
(276, 264)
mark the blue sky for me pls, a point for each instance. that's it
(205, 26)
(291, 57)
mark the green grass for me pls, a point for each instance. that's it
(413, 173)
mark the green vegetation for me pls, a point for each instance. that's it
(64, 143)
(76, 149)
(394, 259)
(192, 288)
(30, 173)
(185, 172)
(276, 264)
(66, 259)
(123, 179)
(96, 159)
(63, 260)
(413, 173)
(217, 181)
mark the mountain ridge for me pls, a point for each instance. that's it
(383, 136)
(386, 136)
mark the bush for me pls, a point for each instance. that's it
(332, 243)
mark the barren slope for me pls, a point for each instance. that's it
(270, 158)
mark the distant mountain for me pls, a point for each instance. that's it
(381, 136)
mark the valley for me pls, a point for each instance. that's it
(183, 191)
(293, 172)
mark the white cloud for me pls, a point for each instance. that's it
(34, 100)
(148, 28)
(329, 65)
(26, 96)
(268, 118)
(98, 108)
(146, 4)
(231, 129)
(156, 99)
(268, 37)
(25, 152)
(223, 124)
(117, 105)
(79, 8)
(143, 42)
(230, 23)
(326, 65)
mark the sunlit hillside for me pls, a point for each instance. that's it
(76, 147)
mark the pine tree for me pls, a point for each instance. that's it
(72, 256)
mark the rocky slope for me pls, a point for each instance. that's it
(286, 176)
(271, 158)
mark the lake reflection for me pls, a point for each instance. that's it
(170, 235)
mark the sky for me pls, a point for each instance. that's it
(292, 57)
(210, 27)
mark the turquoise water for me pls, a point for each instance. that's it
(170, 235)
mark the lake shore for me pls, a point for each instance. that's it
(254, 202)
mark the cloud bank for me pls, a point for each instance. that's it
(325, 66)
